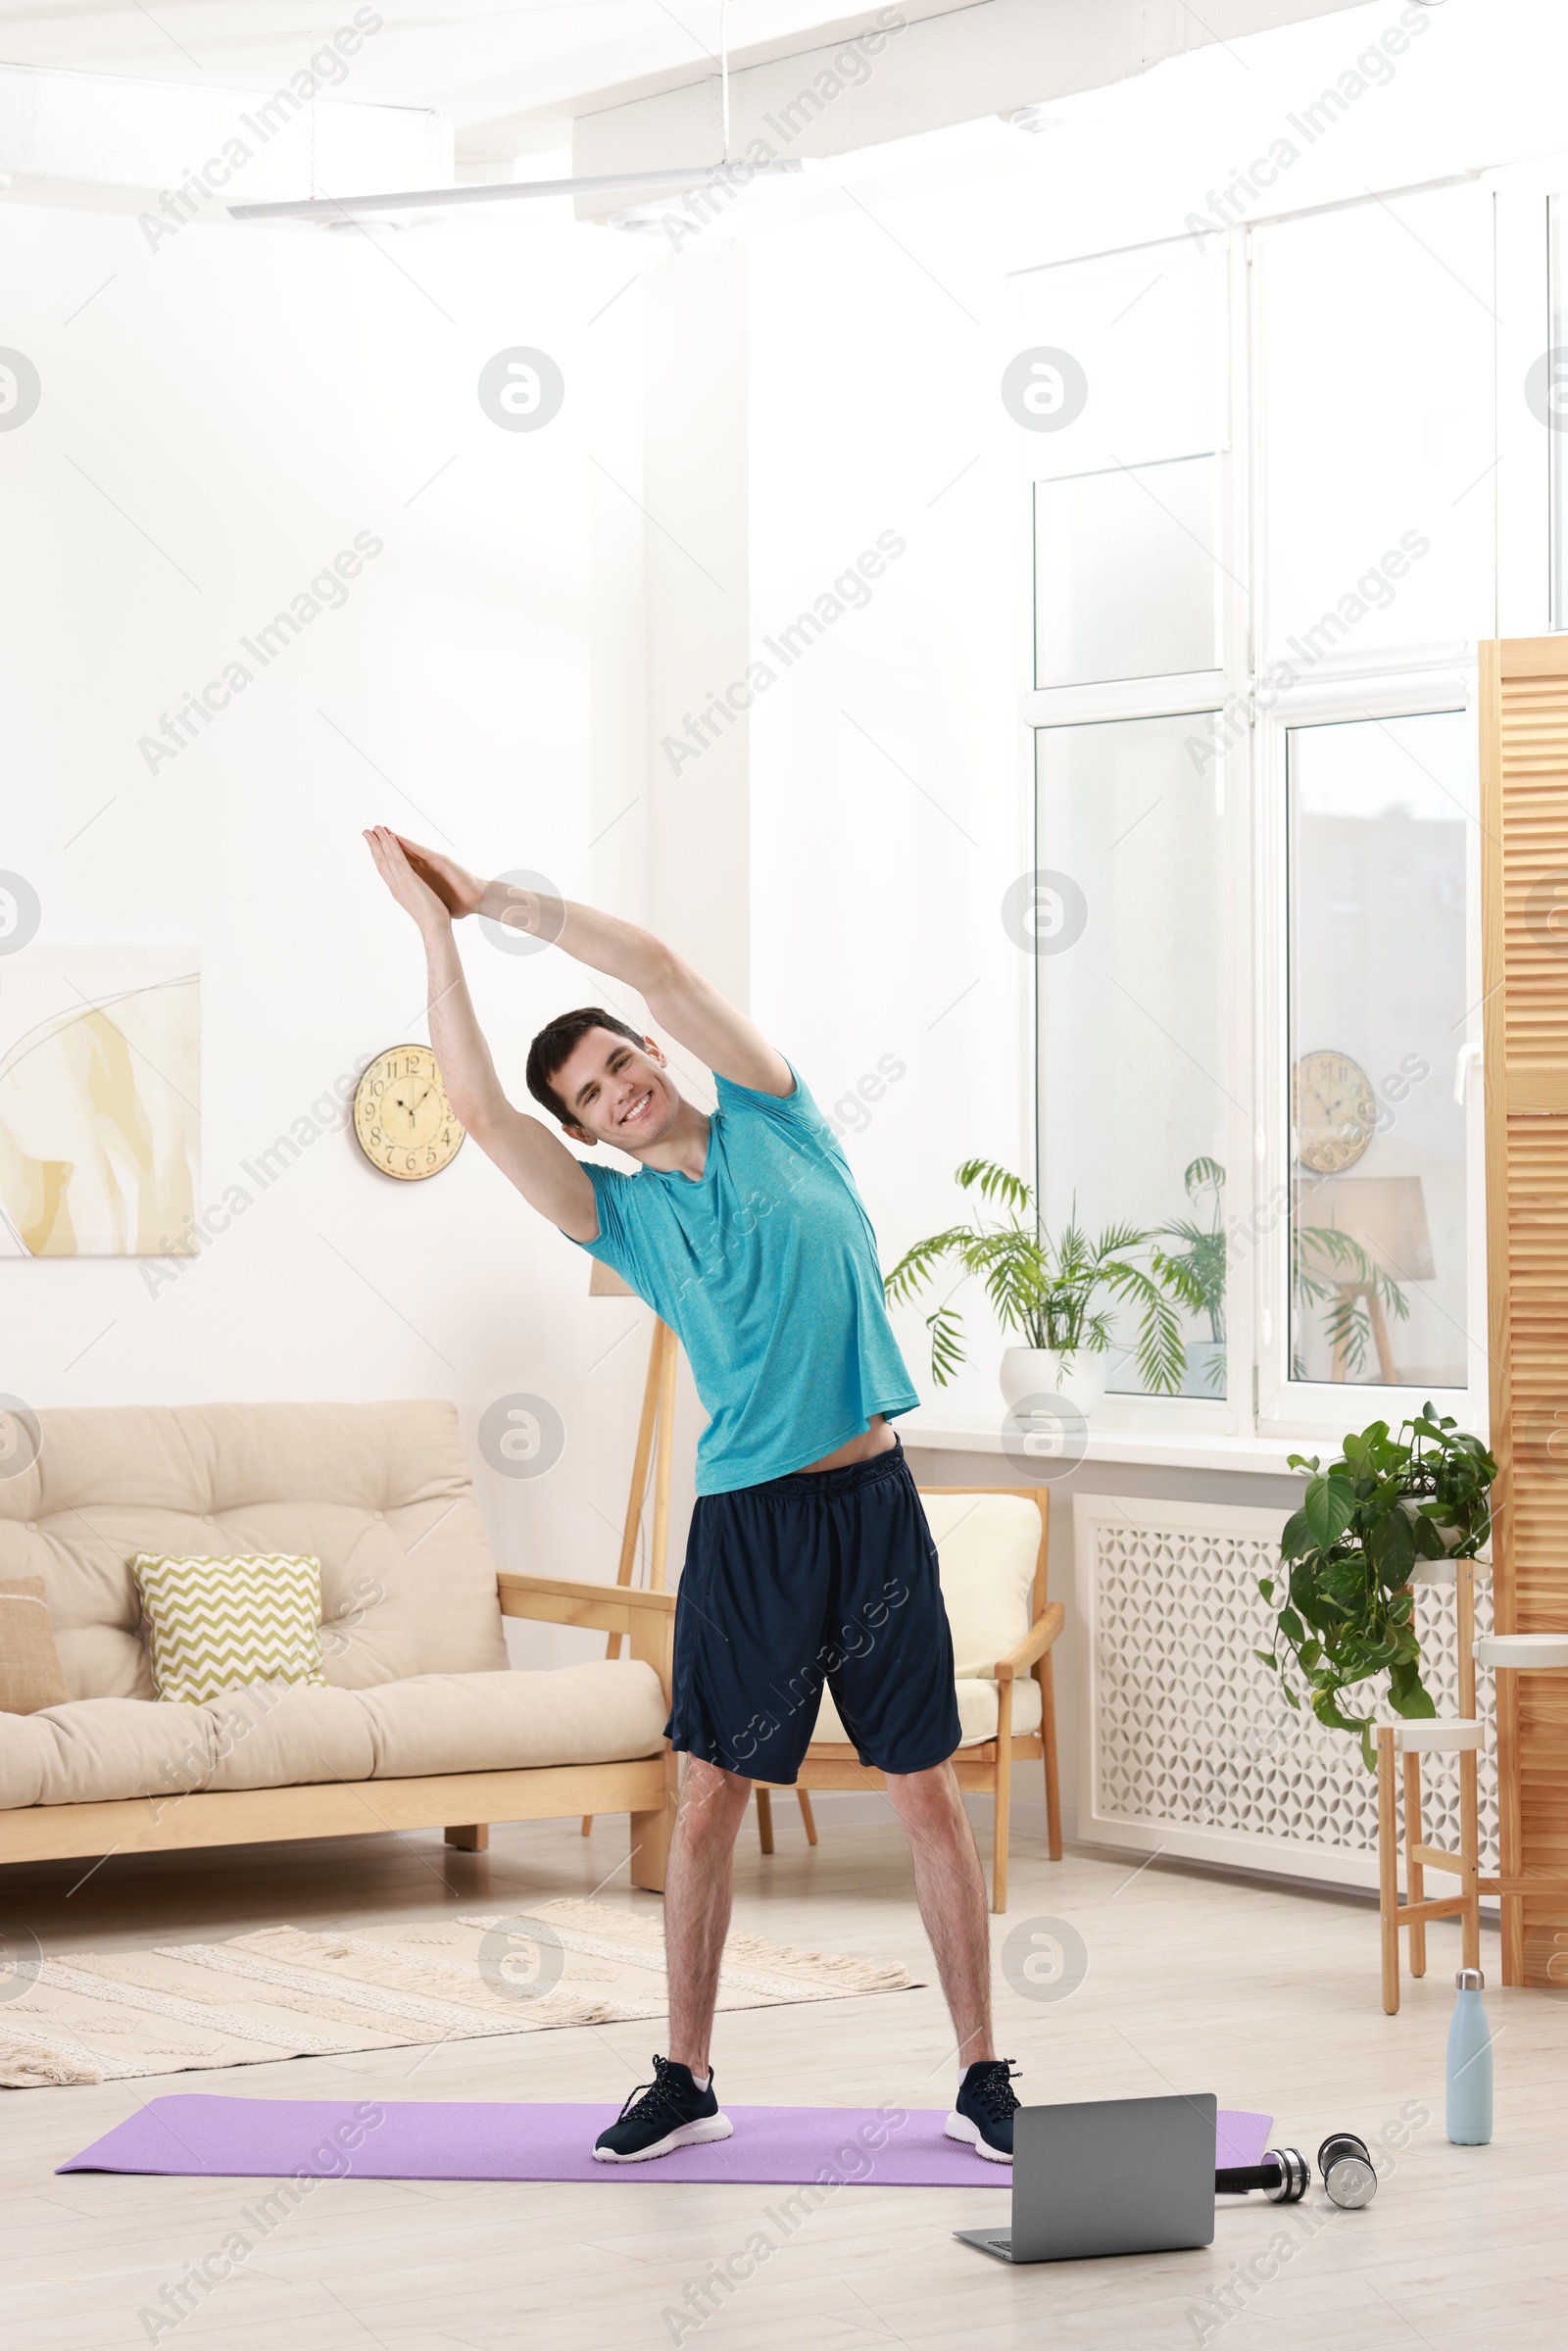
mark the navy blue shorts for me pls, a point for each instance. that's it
(829, 1576)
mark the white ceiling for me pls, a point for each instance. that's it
(510, 73)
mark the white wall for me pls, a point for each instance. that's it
(220, 419)
(886, 814)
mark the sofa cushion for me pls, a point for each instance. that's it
(381, 1493)
(596, 1713)
(214, 1623)
(29, 1663)
(282, 1734)
(95, 1750)
(370, 1606)
(272, 1734)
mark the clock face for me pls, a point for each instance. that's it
(1334, 1110)
(401, 1116)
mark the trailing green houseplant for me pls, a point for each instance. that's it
(1347, 1612)
(1047, 1289)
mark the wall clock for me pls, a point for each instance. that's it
(1335, 1111)
(401, 1118)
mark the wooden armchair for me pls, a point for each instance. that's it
(992, 1543)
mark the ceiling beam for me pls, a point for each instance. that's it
(901, 75)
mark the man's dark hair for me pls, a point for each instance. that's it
(556, 1043)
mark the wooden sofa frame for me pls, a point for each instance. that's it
(464, 1804)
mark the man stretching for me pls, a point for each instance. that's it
(810, 1560)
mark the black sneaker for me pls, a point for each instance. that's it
(983, 2116)
(665, 2113)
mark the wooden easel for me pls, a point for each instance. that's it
(659, 1420)
(1339, 1369)
(658, 1416)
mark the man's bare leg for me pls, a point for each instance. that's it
(950, 1890)
(696, 1897)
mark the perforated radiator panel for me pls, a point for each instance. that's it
(1190, 1734)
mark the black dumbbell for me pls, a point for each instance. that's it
(1347, 2170)
(1284, 2175)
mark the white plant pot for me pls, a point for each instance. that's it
(1449, 1536)
(1044, 1371)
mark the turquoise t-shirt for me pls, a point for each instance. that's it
(765, 1268)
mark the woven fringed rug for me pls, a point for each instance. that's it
(109, 2015)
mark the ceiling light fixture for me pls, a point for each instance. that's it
(638, 219)
(343, 209)
(338, 208)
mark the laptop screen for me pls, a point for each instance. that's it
(1113, 2175)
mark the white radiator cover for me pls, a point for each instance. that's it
(1189, 1743)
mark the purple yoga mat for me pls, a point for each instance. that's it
(271, 2138)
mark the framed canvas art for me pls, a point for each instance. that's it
(100, 1101)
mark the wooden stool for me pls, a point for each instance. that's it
(1461, 1736)
(1413, 1739)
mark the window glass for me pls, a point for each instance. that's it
(1132, 1028)
(1376, 494)
(1144, 335)
(1127, 574)
(1376, 818)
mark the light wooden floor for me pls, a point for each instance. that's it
(1267, 1996)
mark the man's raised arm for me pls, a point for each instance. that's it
(525, 1151)
(682, 1002)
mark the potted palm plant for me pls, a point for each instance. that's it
(1347, 1612)
(1328, 1268)
(1056, 1292)
(1199, 1269)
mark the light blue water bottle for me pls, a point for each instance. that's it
(1469, 2101)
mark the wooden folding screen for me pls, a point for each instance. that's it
(1524, 865)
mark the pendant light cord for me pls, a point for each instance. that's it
(723, 70)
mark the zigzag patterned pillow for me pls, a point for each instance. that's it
(214, 1623)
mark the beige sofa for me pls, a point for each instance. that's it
(420, 1723)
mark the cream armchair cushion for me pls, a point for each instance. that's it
(987, 1545)
(977, 1712)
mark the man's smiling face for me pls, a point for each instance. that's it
(616, 1092)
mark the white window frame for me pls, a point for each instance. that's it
(1261, 1399)
(1411, 682)
(1310, 1408)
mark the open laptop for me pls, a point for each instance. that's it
(1110, 2176)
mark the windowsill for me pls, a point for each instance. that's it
(1155, 1448)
